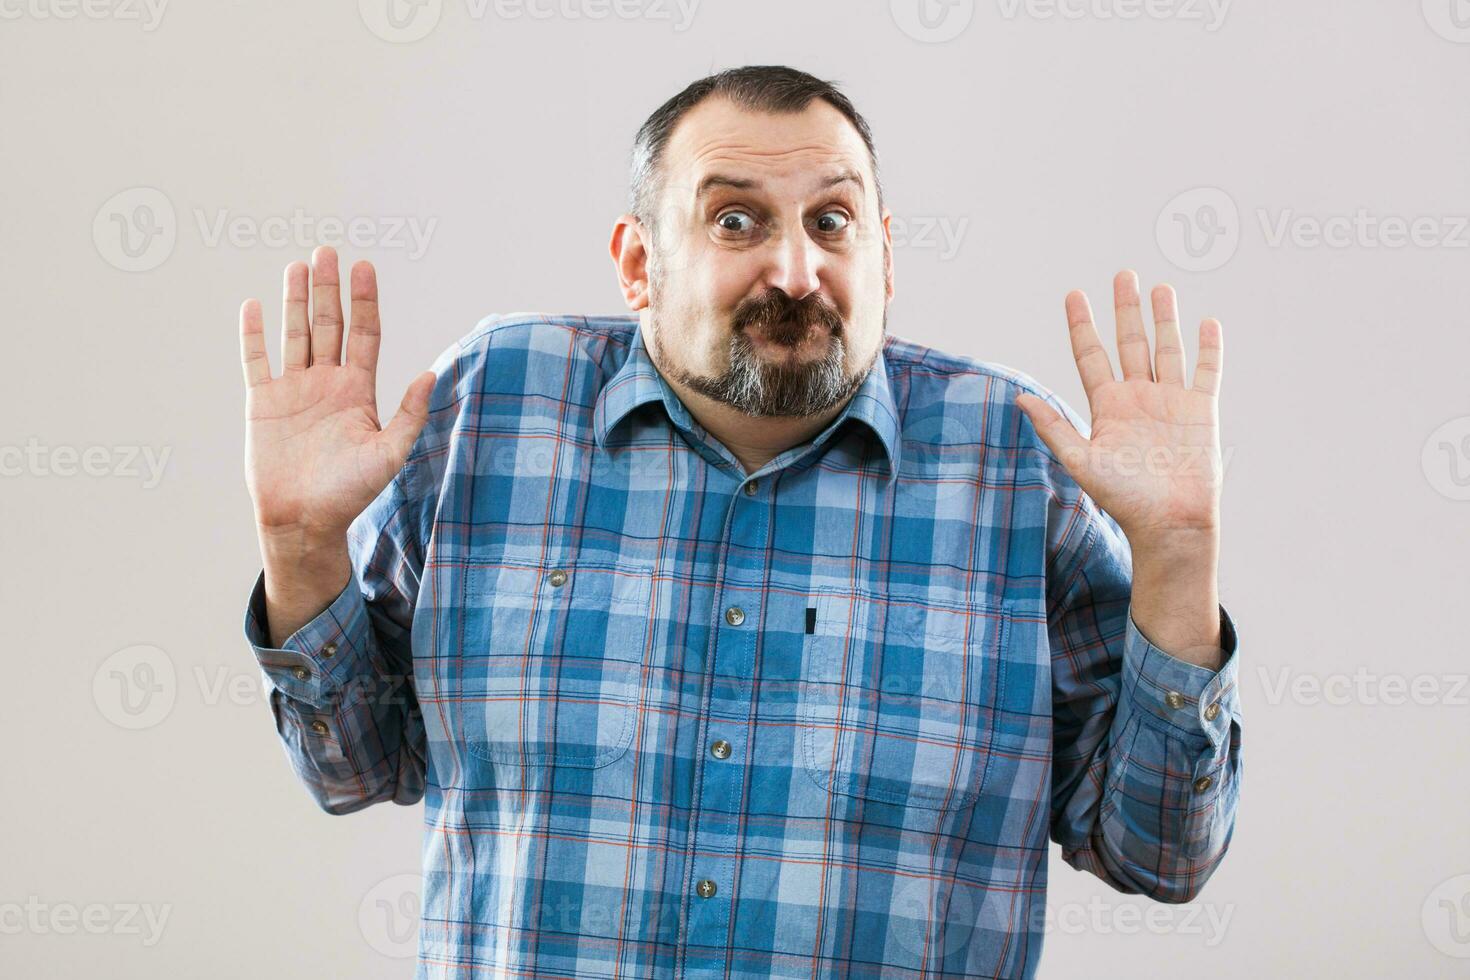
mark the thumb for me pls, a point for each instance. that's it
(1060, 436)
(408, 421)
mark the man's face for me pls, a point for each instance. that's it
(770, 274)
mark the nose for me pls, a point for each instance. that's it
(795, 262)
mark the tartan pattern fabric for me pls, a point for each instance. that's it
(672, 720)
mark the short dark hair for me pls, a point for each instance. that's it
(759, 88)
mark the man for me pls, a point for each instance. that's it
(736, 637)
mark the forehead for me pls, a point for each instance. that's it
(719, 137)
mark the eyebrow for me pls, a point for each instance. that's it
(744, 183)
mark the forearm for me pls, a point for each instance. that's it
(303, 574)
(1176, 596)
(343, 701)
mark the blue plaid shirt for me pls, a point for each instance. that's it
(670, 719)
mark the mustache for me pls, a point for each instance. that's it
(784, 318)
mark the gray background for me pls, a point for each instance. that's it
(1052, 143)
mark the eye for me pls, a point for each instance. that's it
(833, 222)
(731, 221)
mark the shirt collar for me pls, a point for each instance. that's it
(638, 382)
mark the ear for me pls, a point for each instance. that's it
(630, 258)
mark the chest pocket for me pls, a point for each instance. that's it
(552, 662)
(901, 698)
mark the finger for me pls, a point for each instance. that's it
(364, 335)
(326, 307)
(409, 420)
(1168, 344)
(295, 337)
(1211, 357)
(1132, 338)
(1087, 349)
(253, 358)
(1060, 436)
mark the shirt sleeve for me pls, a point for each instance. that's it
(341, 687)
(1146, 746)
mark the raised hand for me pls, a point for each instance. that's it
(1153, 460)
(315, 453)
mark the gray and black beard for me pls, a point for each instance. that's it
(760, 388)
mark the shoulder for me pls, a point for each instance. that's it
(511, 367)
(929, 375)
(519, 346)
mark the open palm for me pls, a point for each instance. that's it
(315, 453)
(1153, 457)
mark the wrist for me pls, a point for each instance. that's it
(1175, 546)
(304, 565)
(299, 544)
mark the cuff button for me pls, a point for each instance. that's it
(301, 673)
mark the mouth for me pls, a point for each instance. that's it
(764, 337)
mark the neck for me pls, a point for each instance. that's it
(753, 441)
